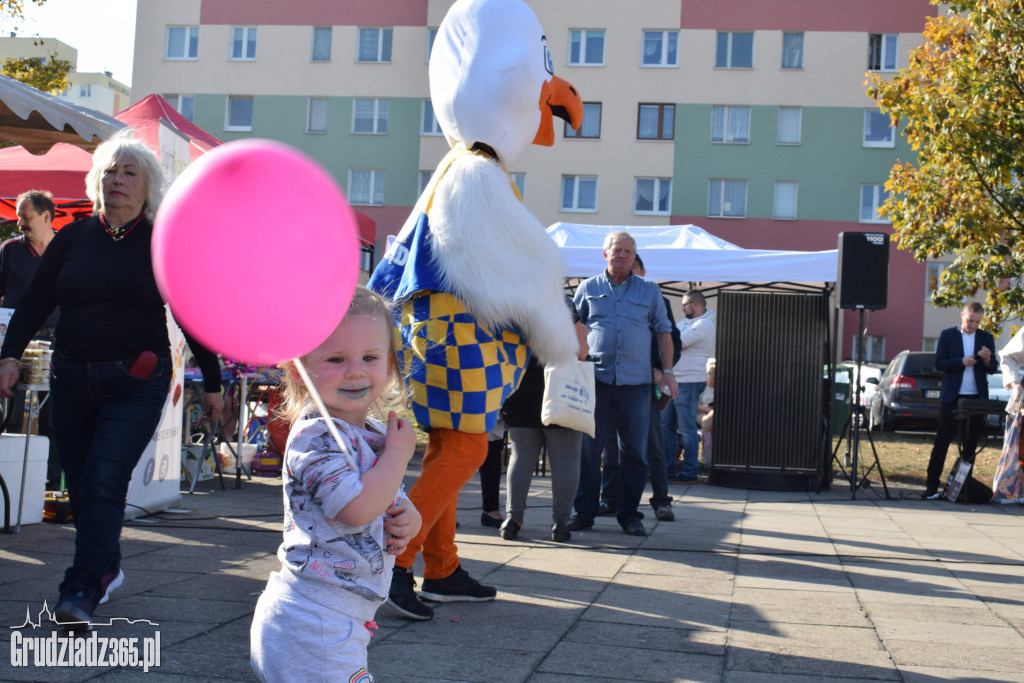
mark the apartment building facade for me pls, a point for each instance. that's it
(99, 91)
(747, 118)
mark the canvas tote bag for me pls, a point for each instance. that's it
(569, 398)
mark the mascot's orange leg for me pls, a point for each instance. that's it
(450, 460)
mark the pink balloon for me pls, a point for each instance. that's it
(255, 250)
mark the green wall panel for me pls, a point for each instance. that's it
(829, 164)
(283, 118)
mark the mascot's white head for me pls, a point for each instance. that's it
(492, 84)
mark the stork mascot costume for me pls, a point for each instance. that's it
(474, 274)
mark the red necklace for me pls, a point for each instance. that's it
(118, 234)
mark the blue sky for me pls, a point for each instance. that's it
(103, 31)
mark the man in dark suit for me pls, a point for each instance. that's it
(965, 355)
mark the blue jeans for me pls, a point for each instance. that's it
(622, 410)
(686, 416)
(610, 472)
(655, 459)
(103, 419)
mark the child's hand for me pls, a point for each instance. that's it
(402, 522)
(400, 440)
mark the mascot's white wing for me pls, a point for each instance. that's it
(499, 259)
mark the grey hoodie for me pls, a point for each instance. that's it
(342, 567)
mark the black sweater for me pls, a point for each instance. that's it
(110, 306)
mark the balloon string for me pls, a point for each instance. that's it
(319, 402)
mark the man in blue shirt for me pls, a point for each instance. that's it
(623, 311)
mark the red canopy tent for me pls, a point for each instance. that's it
(62, 170)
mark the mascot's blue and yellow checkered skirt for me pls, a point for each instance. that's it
(459, 374)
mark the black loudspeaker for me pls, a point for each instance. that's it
(769, 432)
(863, 279)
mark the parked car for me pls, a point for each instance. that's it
(906, 393)
(867, 371)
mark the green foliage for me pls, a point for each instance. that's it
(961, 99)
(49, 75)
(8, 229)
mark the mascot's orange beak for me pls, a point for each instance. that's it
(558, 98)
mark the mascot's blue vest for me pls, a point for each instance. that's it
(459, 373)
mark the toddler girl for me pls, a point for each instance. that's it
(345, 516)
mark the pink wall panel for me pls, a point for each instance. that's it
(878, 16)
(389, 221)
(315, 12)
(902, 321)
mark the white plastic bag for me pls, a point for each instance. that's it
(569, 398)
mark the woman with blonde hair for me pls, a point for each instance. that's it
(111, 362)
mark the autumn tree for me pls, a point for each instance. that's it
(49, 74)
(961, 99)
(15, 8)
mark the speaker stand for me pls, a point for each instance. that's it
(852, 425)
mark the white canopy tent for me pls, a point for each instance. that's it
(773, 311)
(37, 121)
(687, 253)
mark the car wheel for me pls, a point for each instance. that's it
(872, 417)
(887, 423)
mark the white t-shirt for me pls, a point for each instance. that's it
(968, 385)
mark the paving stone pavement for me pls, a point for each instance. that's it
(744, 587)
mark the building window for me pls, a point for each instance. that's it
(374, 45)
(366, 187)
(520, 180)
(322, 36)
(239, 114)
(428, 122)
(878, 131)
(579, 193)
(591, 125)
(789, 125)
(871, 199)
(727, 198)
(183, 104)
(369, 116)
(933, 279)
(182, 42)
(652, 196)
(929, 344)
(735, 50)
(785, 200)
(316, 116)
(431, 37)
(882, 51)
(661, 48)
(656, 122)
(586, 48)
(730, 124)
(243, 43)
(874, 347)
(424, 180)
(792, 50)
(85, 91)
